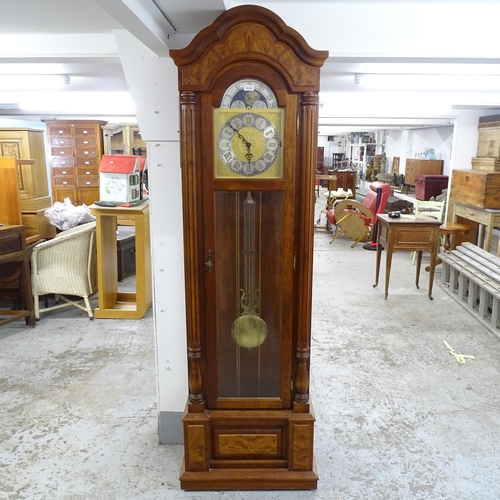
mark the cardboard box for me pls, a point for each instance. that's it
(478, 189)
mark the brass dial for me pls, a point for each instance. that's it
(248, 143)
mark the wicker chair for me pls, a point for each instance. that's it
(65, 266)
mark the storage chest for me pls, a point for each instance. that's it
(488, 139)
(479, 189)
(428, 186)
(486, 164)
(397, 204)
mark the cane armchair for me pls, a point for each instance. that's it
(66, 267)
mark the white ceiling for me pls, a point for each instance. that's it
(444, 36)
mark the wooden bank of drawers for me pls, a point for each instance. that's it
(76, 149)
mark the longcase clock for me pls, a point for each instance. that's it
(249, 98)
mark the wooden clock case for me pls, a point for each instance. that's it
(248, 443)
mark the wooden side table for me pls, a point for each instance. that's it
(408, 233)
(13, 249)
(486, 217)
(113, 304)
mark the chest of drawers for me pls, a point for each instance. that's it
(76, 150)
(415, 167)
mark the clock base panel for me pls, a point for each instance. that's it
(248, 450)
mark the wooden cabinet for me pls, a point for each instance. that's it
(123, 139)
(10, 204)
(320, 160)
(346, 179)
(34, 199)
(427, 167)
(76, 150)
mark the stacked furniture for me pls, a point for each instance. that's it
(76, 149)
(475, 193)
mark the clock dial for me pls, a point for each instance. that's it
(251, 94)
(248, 144)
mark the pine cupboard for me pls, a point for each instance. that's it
(28, 144)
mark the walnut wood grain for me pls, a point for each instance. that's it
(247, 30)
(248, 444)
(245, 440)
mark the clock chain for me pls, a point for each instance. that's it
(260, 283)
(238, 290)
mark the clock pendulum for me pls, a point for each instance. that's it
(249, 329)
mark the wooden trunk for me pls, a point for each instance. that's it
(479, 189)
(486, 164)
(488, 140)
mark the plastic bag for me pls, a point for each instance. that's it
(65, 215)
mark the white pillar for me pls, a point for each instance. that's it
(153, 86)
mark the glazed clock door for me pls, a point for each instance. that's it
(249, 230)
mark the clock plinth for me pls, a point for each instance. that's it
(249, 112)
(249, 450)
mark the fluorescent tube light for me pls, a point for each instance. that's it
(428, 82)
(99, 103)
(32, 82)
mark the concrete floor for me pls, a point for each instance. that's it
(397, 417)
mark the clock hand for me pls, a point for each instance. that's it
(249, 154)
(245, 142)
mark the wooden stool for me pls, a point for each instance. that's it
(450, 229)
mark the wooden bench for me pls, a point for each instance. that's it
(471, 276)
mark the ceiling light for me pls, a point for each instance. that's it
(32, 82)
(98, 103)
(428, 82)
